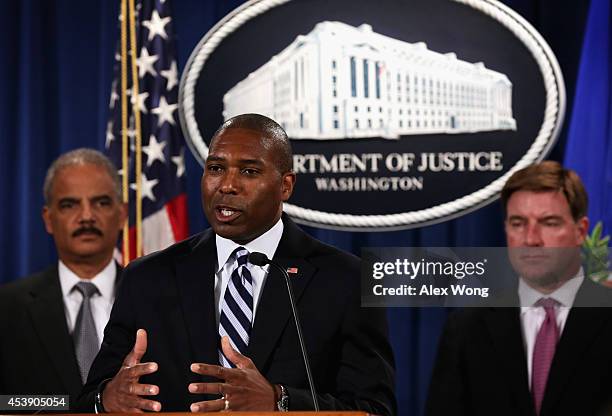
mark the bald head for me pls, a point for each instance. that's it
(273, 137)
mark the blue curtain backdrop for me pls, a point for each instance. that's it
(56, 72)
(589, 145)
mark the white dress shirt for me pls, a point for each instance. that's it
(266, 243)
(533, 316)
(101, 304)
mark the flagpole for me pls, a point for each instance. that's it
(159, 177)
(138, 136)
(124, 137)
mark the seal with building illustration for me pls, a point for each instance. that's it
(401, 115)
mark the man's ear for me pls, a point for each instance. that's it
(582, 228)
(288, 182)
(46, 216)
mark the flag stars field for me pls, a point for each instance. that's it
(156, 25)
(154, 151)
(145, 63)
(162, 165)
(171, 76)
(147, 186)
(164, 111)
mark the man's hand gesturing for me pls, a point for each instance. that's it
(243, 388)
(122, 393)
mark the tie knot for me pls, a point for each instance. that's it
(547, 303)
(241, 255)
(87, 289)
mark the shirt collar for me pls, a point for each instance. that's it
(565, 294)
(104, 281)
(266, 243)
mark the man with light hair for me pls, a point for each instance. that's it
(548, 355)
(53, 321)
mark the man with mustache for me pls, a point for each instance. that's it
(198, 327)
(52, 322)
(550, 356)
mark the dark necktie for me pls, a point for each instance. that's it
(84, 335)
(236, 317)
(544, 351)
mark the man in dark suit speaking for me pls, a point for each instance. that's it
(52, 323)
(551, 355)
(197, 327)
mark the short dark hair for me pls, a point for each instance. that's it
(274, 135)
(80, 156)
(549, 176)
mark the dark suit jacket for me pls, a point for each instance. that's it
(36, 350)
(170, 294)
(481, 368)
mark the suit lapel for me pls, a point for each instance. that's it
(582, 325)
(504, 327)
(274, 309)
(46, 309)
(195, 276)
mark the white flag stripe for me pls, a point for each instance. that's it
(157, 233)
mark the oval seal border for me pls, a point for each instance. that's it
(546, 138)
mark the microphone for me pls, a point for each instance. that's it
(260, 259)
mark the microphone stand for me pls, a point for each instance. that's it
(260, 259)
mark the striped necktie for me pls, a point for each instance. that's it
(236, 317)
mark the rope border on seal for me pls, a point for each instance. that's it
(547, 135)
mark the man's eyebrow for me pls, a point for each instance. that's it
(213, 158)
(99, 197)
(69, 199)
(550, 217)
(251, 162)
(543, 218)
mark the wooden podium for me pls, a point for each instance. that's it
(320, 413)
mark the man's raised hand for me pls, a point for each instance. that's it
(242, 388)
(122, 393)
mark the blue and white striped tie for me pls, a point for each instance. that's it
(236, 317)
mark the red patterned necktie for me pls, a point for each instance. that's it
(544, 351)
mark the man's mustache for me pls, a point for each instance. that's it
(87, 230)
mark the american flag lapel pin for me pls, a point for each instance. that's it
(292, 270)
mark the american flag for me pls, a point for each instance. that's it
(164, 201)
